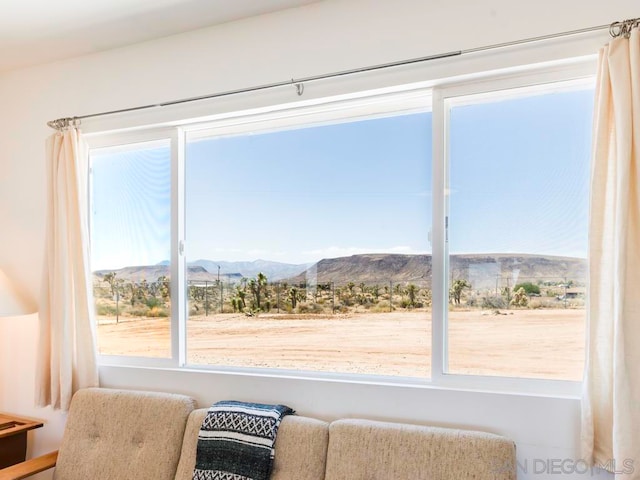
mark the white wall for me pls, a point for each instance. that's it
(328, 36)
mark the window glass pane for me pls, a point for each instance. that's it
(130, 248)
(519, 174)
(308, 247)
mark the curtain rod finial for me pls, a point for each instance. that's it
(62, 123)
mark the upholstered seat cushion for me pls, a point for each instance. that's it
(368, 450)
(301, 448)
(118, 434)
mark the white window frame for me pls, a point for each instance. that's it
(394, 99)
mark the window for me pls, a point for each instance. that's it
(307, 246)
(518, 205)
(336, 238)
(130, 243)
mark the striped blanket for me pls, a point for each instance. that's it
(236, 441)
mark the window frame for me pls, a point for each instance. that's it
(402, 98)
(549, 80)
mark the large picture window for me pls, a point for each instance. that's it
(308, 246)
(335, 238)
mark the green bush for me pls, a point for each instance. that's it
(528, 287)
(152, 302)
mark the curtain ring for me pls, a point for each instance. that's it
(615, 29)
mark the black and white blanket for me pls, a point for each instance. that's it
(236, 441)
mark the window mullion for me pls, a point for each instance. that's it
(178, 267)
(439, 247)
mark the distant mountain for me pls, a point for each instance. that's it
(207, 270)
(482, 270)
(369, 268)
(151, 273)
(273, 270)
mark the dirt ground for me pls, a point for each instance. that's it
(545, 343)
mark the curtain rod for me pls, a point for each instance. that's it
(616, 29)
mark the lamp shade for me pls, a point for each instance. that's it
(12, 301)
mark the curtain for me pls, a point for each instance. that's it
(67, 352)
(611, 393)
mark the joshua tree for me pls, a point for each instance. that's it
(294, 296)
(238, 301)
(412, 291)
(375, 290)
(456, 289)
(257, 286)
(110, 278)
(163, 287)
(350, 287)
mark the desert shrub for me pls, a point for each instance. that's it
(472, 301)
(520, 298)
(138, 311)
(493, 301)
(310, 308)
(347, 301)
(109, 310)
(380, 307)
(544, 303)
(528, 287)
(153, 302)
(406, 303)
(427, 298)
(157, 312)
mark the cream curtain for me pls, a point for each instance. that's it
(67, 352)
(611, 396)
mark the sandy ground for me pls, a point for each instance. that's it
(524, 343)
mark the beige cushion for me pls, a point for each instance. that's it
(367, 450)
(301, 448)
(120, 434)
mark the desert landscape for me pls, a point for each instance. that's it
(542, 343)
(509, 314)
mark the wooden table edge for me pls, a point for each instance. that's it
(23, 424)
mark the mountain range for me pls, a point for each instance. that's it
(207, 270)
(482, 270)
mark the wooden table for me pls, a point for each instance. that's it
(13, 438)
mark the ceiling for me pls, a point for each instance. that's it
(40, 31)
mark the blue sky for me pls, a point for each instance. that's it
(306, 194)
(519, 176)
(130, 214)
(518, 182)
